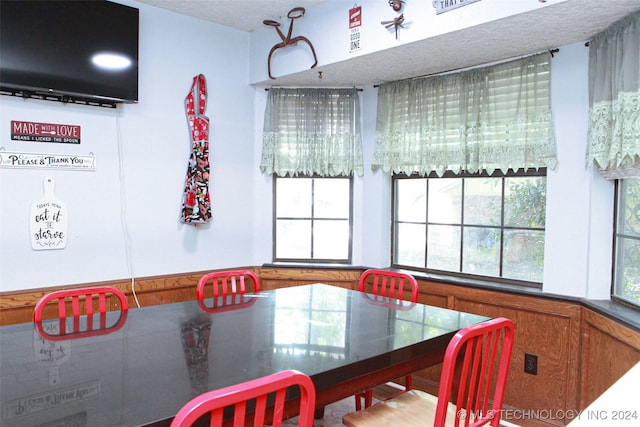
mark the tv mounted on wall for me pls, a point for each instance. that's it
(69, 51)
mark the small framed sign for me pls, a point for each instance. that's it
(355, 22)
(44, 132)
(47, 161)
(48, 220)
(443, 6)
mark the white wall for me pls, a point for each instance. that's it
(149, 144)
(579, 201)
(372, 196)
(152, 140)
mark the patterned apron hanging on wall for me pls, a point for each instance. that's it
(196, 201)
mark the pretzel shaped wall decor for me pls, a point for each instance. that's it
(295, 13)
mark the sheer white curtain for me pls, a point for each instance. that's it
(312, 131)
(495, 117)
(614, 99)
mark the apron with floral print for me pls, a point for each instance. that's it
(196, 201)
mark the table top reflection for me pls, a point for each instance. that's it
(145, 371)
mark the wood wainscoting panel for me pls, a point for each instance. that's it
(608, 351)
(282, 277)
(552, 334)
(17, 306)
(425, 297)
(544, 327)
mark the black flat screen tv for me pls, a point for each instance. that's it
(79, 51)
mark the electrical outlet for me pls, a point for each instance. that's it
(531, 363)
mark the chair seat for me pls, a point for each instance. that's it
(410, 409)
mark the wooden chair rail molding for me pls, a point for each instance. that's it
(580, 352)
(17, 306)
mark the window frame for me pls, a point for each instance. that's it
(615, 267)
(540, 172)
(275, 218)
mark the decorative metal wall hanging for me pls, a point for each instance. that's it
(396, 4)
(295, 13)
(395, 23)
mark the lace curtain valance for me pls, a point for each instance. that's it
(312, 131)
(614, 99)
(496, 117)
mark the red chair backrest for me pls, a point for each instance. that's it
(236, 396)
(477, 360)
(227, 283)
(236, 302)
(82, 301)
(388, 284)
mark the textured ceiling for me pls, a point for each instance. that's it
(545, 28)
(246, 15)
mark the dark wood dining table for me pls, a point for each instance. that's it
(145, 371)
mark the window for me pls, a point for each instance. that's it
(475, 225)
(312, 221)
(626, 280)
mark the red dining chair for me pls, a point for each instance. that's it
(385, 284)
(477, 361)
(227, 283)
(388, 284)
(258, 391)
(73, 303)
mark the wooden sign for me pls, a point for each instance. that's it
(44, 132)
(443, 6)
(47, 161)
(48, 221)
